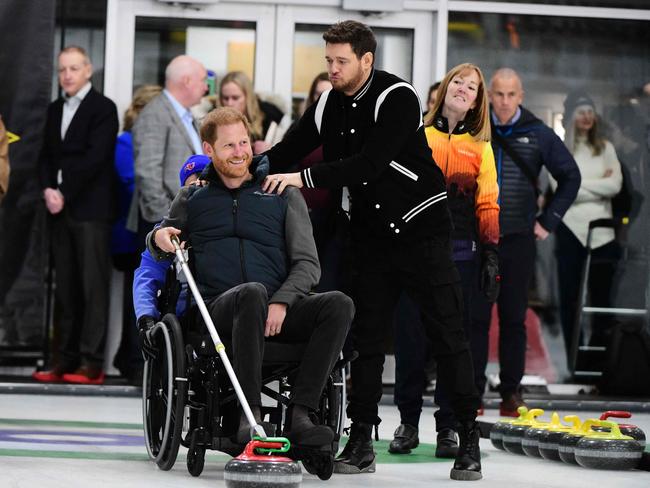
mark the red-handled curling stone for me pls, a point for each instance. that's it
(258, 467)
(496, 432)
(608, 450)
(626, 429)
(514, 432)
(549, 440)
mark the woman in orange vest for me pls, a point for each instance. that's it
(458, 133)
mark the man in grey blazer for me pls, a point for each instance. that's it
(164, 136)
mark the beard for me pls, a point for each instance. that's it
(229, 170)
(352, 84)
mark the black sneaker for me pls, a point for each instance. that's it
(446, 444)
(357, 456)
(405, 438)
(467, 466)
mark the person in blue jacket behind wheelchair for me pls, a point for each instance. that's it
(149, 278)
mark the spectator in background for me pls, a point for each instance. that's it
(77, 175)
(124, 246)
(601, 180)
(458, 132)
(522, 144)
(4, 160)
(164, 135)
(236, 91)
(318, 85)
(432, 96)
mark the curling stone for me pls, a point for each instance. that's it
(608, 450)
(514, 432)
(569, 441)
(258, 467)
(549, 440)
(496, 432)
(530, 441)
(626, 429)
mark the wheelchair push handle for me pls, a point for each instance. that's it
(220, 348)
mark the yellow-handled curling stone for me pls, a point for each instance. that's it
(567, 445)
(496, 432)
(549, 440)
(530, 440)
(514, 432)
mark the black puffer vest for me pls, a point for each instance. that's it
(237, 236)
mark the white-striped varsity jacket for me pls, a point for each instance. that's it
(373, 143)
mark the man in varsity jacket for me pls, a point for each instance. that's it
(370, 127)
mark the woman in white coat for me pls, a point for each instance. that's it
(601, 181)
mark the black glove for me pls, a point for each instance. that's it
(490, 278)
(145, 324)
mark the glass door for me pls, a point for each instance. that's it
(142, 36)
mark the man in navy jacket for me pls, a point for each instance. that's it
(77, 177)
(518, 133)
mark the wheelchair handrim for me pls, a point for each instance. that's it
(170, 396)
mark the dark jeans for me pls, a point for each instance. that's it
(321, 320)
(82, 264)
(516, 261)
(571, 256)
(412, 351)
(425, 271)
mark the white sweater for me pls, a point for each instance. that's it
(595, 194)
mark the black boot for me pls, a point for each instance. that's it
(405, 438)
(446, 444)
(467, 466)
(358, 455)
(301, 431)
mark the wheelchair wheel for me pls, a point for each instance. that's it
(164, 391)
(333, 401)
(195, 455)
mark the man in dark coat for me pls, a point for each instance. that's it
(370, 127)
(77, 177)
(522, 144)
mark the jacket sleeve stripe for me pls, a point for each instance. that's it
(382, 96)
(421, 206)
(320, 108)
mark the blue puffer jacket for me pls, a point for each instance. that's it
(537, 145)
(148, 280)
(237, 236)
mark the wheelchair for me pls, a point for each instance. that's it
(188, 400)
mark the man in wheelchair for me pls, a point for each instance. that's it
(255, 263)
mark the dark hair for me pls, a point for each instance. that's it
(432, 88)
(314, 84)
(358, 35)
(218, 117)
